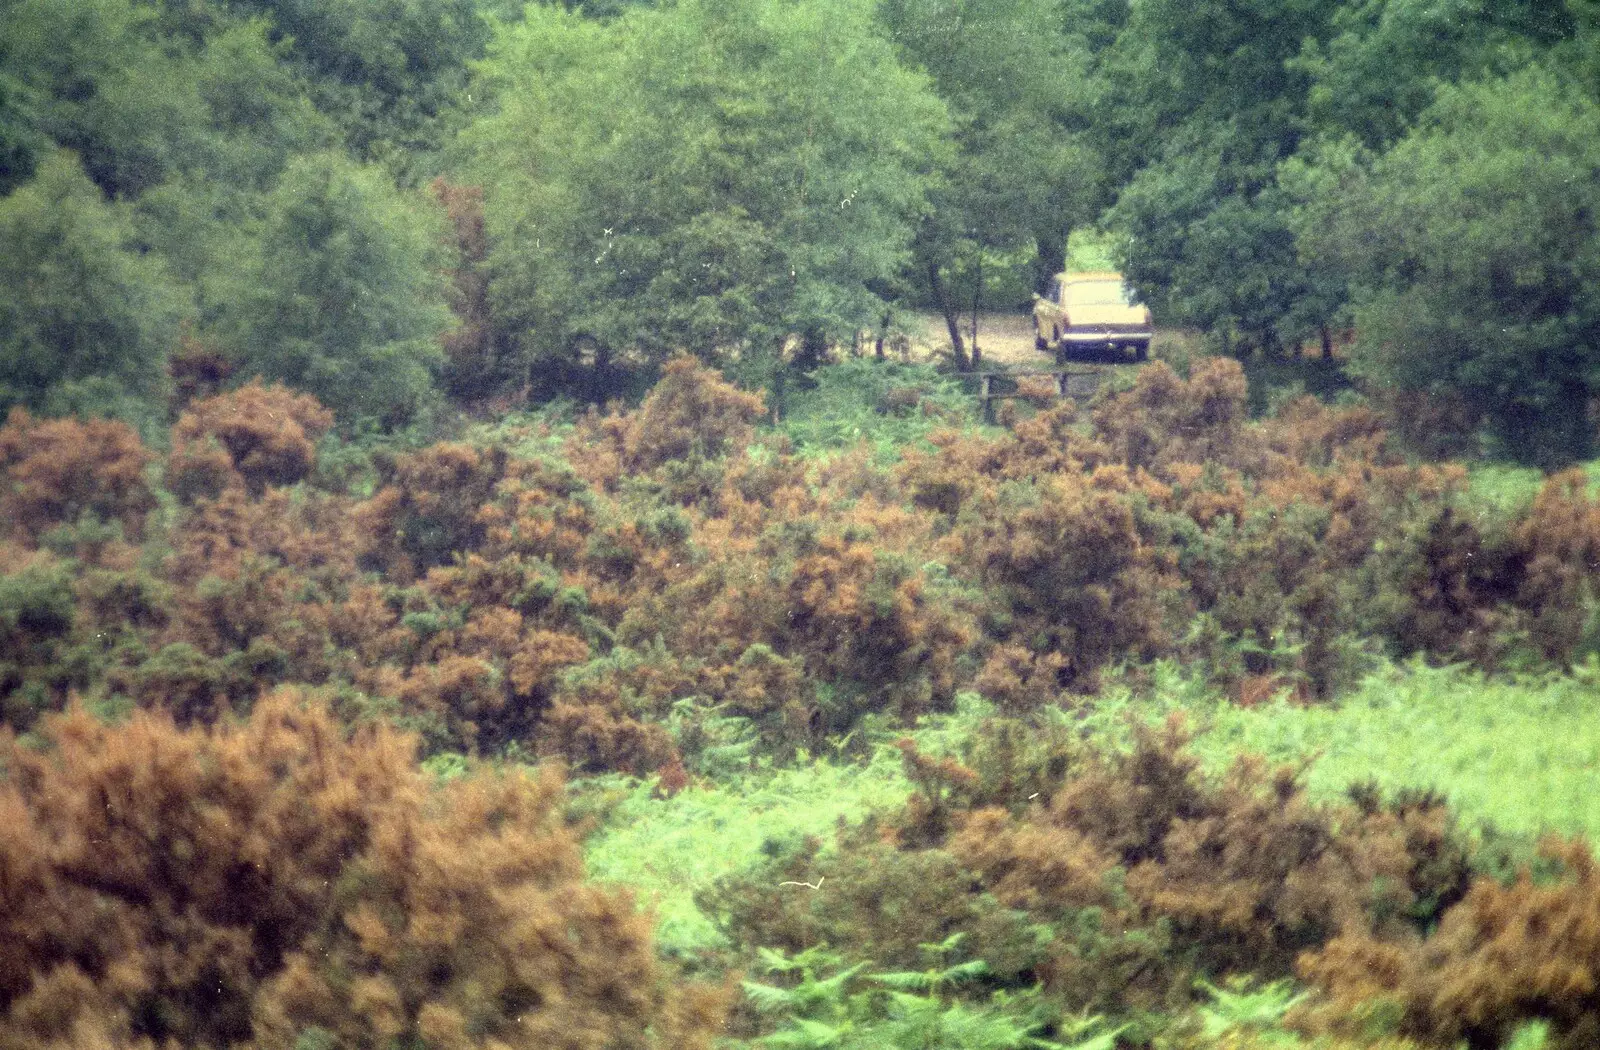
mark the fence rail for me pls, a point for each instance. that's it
(1002, 386)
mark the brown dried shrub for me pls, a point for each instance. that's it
(429, 509)
(1311, 434)
(1165, 419)
(691, 418)
(597, 738)
(256, 436)
(691, 413)
(1560, 539)
(198, 369)
(247, 886)
(1067, 566)
(473, 368)
(1019, 681)
(52, 471)
(1504, 955)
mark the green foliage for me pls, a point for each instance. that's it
(836, 1011)
(704, 177)
(1512, 754)
(1380, 67)
(672, 848)
(95, 81)
(1241, 1006)
(890, 406)
(1198, 107)
(389, 72)
(79, 304)
(144, 99)
(1470, 246)
(1207, 244)
(21, 141)
(1024, 174)
(346, 299)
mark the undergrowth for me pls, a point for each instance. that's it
(670, 848)
(1513, 754)
(886, 405)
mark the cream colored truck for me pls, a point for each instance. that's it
(1090, 315)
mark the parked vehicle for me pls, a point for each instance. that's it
(1091, 314)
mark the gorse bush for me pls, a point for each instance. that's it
(57, 470)
(803, 594)
(675, 593)
(1112, 886)
(254, 436)
(1503, 955)
(274, 882)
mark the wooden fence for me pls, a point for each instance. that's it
(1001, 386)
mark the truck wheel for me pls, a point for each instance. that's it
(1141, 351)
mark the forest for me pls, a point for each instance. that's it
(480, 567)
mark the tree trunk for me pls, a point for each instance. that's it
(1052, 248)
(1327, 342)
(977, 302)
(952, 319)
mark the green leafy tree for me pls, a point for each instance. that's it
(1377, 71)
(709, 176)
(1473, 250)
(1017, 83)
(389, 72)
(346, 300)
(1198, 104)
(1207, 241)
(203, 219)
(97, 79)
(21, 141)
(85, 318)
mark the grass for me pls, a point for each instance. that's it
(669, 848)
(1520, 756)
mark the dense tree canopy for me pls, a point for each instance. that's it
(85, 318)
(346, 299)
(710, 176)
(748, 181)
(1474, 246)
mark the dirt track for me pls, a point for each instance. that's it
(1004, 338)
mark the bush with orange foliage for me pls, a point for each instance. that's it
(277, 882)
(255, 437)
(427, 510)
(691, 418)
(1505, 955)
(1560, 545)
(1166, 419)
(1113, 879)
(1071, 574)
(53, 471)
(473, 366)
(1246, 870)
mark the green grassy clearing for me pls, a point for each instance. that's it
(668, 848)
(1520, 756)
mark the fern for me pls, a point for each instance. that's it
(823, 1012)
(807, 1035)
(1241, 1006)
